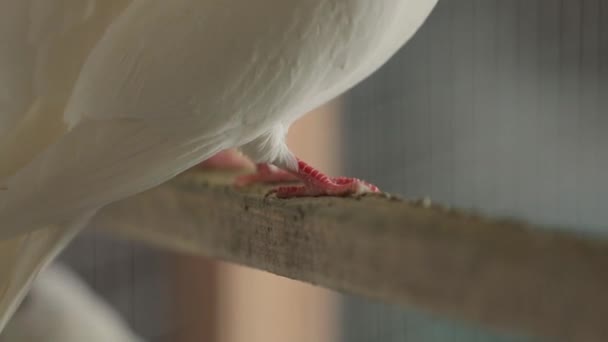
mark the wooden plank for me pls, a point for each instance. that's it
(500, 274)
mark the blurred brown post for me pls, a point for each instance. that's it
(195, 291)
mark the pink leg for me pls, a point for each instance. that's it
(266, 173)
(315, 182)
(228, 159)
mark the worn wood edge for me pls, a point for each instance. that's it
(500, 274)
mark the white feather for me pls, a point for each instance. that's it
(162, 85)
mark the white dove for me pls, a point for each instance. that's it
(102, 99)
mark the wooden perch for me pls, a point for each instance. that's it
(500, 274)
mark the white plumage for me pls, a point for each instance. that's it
(101, 99)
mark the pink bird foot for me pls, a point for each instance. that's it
(315, 182)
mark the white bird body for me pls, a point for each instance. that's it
(116, 96)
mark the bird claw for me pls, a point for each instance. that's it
(270, 192)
